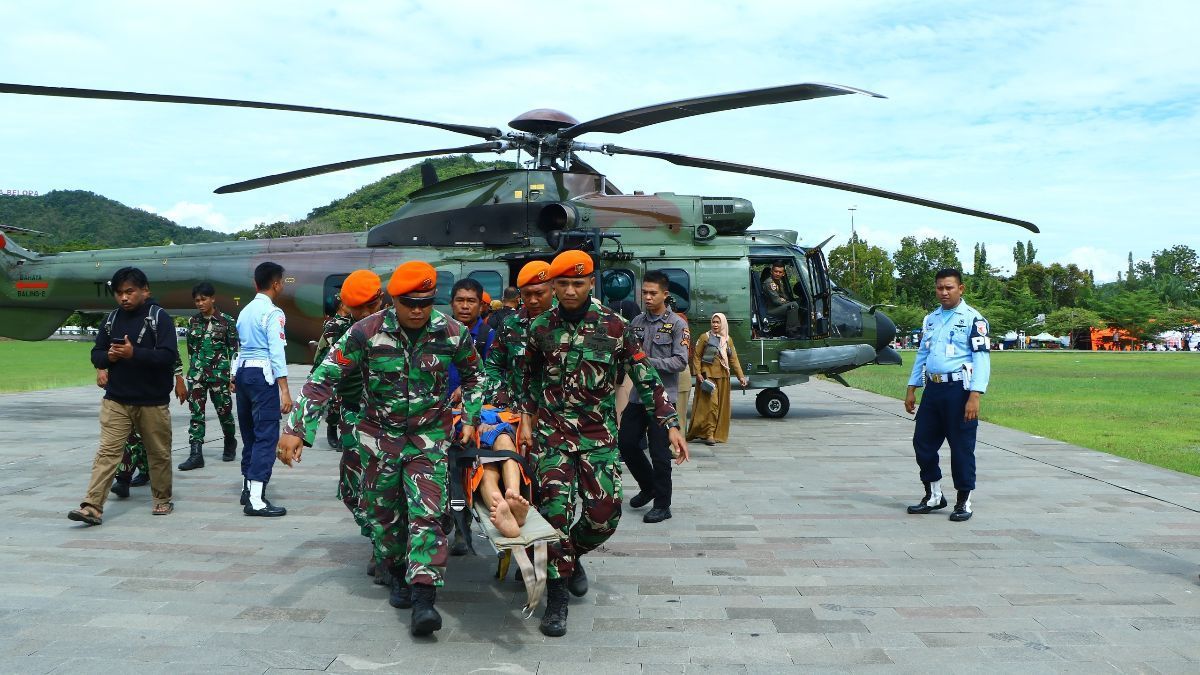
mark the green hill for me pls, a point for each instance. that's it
(78, 220)
(372, 204)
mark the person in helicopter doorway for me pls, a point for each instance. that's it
(780, 301)
(954, 365)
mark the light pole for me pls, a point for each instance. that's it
(853, 260)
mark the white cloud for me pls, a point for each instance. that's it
(1080, 116)
(1103, 263)
(189, 214)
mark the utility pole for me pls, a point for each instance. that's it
(853, 245)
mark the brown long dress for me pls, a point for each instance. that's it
(710, 412)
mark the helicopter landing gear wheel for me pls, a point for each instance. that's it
(772, 403)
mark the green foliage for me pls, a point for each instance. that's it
(869, 274)
(375, 203)
(917, 263)
(76, 220)
(906, 317)
(1136, 405)
(1073, 321)
(1024, 254)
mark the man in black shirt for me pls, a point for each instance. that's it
(138, 346)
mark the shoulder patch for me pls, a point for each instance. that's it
(981, 327)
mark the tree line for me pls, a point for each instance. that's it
(1149, 297)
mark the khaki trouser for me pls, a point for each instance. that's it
(685, 393)
(117, 420)
(624, 390)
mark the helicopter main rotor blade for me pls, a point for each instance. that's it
(637, 118)
(718, 165)
(278, 178)
(71, 92)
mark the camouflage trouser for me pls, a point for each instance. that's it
(405, 498)
(134, 457)
(350, 472)
(334, 412)
(222, 400)
(595, 477)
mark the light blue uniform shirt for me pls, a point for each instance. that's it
(952, 341)
(260, 331)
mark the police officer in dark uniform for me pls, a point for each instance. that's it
(779, 299)
(953, 364)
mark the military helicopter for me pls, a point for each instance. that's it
(487, 225)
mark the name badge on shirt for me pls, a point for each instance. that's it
(950, 350)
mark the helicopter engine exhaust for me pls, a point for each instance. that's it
(553, 220)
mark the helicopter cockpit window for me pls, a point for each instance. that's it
(680, 288)
(445, 283)
(329, 298)
(616, 285)
(492, 282)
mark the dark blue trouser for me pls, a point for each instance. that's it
(653, 475)
(258, 417)
(940, 418)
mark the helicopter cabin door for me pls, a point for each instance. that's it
(821, 306)
(680, 275)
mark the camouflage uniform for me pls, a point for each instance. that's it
(212, 343)
(333, 330)
(134, 457)
(404, 426)
(347, 395)
(503, 365)
(569, 377)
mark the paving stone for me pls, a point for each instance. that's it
(763, 569)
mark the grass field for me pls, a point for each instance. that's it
(1144, 406)
(29, 366)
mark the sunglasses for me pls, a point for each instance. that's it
(415, 303)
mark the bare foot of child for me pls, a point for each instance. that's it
(502, 517)
(518, 505)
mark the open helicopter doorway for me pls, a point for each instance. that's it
(769, 319)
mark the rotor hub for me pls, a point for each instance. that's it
(542, 121)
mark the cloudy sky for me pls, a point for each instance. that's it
(1080, 116)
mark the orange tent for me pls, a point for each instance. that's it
(1112, 340)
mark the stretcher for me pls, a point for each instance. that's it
(530, 550)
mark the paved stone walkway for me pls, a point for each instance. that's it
(789, 551)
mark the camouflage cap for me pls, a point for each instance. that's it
(572, 263)
(412, 276)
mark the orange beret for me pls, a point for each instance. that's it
(572, 263)
(361, 287)
(535, 272)
(487, 299)
(413, 276)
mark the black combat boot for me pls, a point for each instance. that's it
(120, 488)
(371, 566)
(931, 502)
(230, 452)
(578, 583)
(331, 435)
(195, 460)
(962, 507)
(139, 479)
(425, 619)
(401, 596)
(382, 576)
(554, 621)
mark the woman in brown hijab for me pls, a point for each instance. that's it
(713, 361)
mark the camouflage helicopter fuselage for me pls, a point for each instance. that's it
(487, 225)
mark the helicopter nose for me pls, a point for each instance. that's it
(885, 330)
